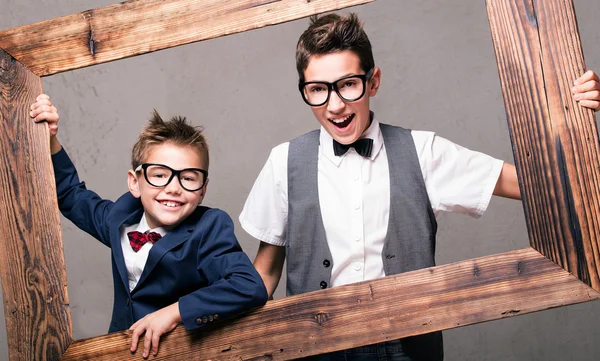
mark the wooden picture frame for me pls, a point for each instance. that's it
(555, 144)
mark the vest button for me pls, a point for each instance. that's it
(326, 263)
(323, 284)
(128, 301)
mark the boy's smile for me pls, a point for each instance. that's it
(344, 121)
(167, 206)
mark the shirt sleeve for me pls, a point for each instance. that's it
(457, 179)
(265, 212)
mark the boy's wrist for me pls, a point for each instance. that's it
(176, 313)
(55, 146)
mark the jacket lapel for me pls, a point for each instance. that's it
(159, 249)
(117, 250)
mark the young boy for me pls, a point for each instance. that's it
(357, 200)
(173, 260)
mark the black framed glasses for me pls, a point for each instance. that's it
(349, 88)
(159, 175)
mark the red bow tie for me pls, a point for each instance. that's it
(138, 239)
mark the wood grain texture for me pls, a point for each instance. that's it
(418, 302)
(34, 282)
(555, 141)
(137, 27)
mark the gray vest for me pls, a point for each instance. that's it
(410, 241)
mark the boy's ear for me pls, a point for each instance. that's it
(203, 192)
(133, 184)
(375, 81)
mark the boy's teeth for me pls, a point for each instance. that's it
(340, 120)
(170, 204)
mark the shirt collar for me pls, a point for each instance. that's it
(144, 227)
(373, 132)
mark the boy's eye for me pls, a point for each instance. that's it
(349, 83)
(316, 88)
(190, 176)
(157, 172)
(158, 175)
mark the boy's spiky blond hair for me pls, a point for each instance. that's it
(176, 131)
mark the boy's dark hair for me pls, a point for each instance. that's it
(176, 131)
(332, 33)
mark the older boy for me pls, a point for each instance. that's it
(358, 199)
(173, 260)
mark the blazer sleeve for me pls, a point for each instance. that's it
(81, 206)
(234, 285)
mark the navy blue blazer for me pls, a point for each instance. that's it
(199, 263)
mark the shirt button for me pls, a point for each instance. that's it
(326, 263)
(357, 205)
(198, 321)
(210, 318)
(356, 176)
(323, 285)
(357, 266)
(204, 319)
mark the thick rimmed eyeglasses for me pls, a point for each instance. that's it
(159, 175)
(349, 88)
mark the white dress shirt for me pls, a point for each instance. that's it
(354, 196)
(135, 261)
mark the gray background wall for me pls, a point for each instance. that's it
(439, 73)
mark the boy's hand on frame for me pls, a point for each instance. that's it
(154, 325)
(43, 110)
(586, 90)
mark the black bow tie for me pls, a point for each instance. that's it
(362, 146)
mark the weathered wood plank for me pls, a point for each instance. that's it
(34, 282)
(137, 27)
(443, 297)
(555, 141)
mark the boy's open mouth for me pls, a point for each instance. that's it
(170, 204)
(342, 122)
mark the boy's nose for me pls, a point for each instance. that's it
(335, 103)
(173, 186)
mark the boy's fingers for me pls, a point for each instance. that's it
(592, 104)
(592, 75)
(589, 95)
(587, 86)
(134, 340)
(147, 343)
(43, 108)
(41, 103)
(587, 76)
(155, 341)
(42, 96)
(50, 117)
